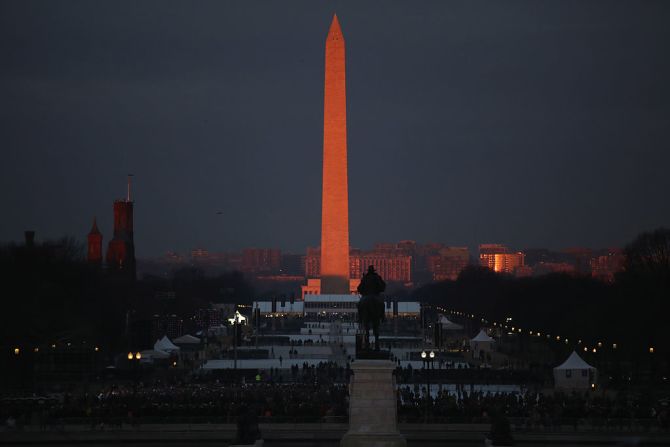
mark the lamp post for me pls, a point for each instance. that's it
(428, 358)
(235, 321)
(134, 360)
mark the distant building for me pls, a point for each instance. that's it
(94, 253)
(447, 263)
(499, 258)
(313, 262)
(544, 268)
(206, 318)
(581, 259)
(172, 257)
(390, 266)
(121, 249)
(199, 255)
(329, 305)
(170, 325)
(605, 266)
(261, 260)
(292, 264)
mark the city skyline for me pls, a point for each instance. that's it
(547, 132)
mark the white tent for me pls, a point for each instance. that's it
(481, 344)
(574, 373)
(237, 317)
(164, 344)
(448, 325)
(186, 340)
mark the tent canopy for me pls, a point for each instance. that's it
(187, 339)
(574, 362)
(482, 337)
(164, 344)
(448, 324)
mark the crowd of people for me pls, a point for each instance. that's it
(210, 402)
(533, 410)
(325, 401)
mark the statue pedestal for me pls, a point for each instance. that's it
(373, 418)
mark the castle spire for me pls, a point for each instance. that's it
(94, 253)
(94, 228)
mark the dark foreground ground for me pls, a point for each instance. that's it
(308, 435)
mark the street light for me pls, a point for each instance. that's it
(428, 359)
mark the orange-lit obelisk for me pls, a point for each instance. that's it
(335, 196)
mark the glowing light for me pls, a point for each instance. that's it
(594, 350)
(130, 356)
(423, 354)
(138, 355)
(17, 351)
(237, 318)
(651, 350)
(97, 349)
(586, 349)
(558, 338)
(600, 344)
(614, 345)
(36, 350)
(432, 354)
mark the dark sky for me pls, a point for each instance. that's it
(536, 124)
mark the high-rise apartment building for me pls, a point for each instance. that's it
(499, 258)
(447, 263)
(261, 260)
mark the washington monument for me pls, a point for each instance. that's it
(335, 196)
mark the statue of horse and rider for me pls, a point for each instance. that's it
(371, 306)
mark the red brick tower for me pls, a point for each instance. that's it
(95, 245)
(121, 249)
(335, 195)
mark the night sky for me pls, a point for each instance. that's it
(536, 124)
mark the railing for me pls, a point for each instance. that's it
(530, 424)
(518, 424)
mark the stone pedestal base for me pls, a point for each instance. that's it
(258, 443)
(372, 440)
(373, 420)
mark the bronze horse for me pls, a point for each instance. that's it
(370, 315)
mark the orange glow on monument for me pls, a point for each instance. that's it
(335, 195)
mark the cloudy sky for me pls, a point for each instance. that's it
(536, 124)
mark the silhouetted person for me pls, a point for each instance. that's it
(501, 432)
(247, 426)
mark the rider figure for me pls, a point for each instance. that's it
(371, 284)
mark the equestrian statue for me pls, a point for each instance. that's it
(371, 306)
